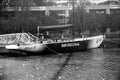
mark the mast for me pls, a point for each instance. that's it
(83, 26)
(82, 16)
(73, 5)
(82, 20)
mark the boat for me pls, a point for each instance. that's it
(28, 43)
(54, 46)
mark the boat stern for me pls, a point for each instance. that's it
(95, 41)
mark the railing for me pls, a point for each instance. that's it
(44, 8)
(17, 38)
(103, 7)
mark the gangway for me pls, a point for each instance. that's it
(15, 38)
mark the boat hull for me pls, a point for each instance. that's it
(66, 47)
(78, 44)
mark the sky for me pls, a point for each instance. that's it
(97, 1)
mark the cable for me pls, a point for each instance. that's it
(52, 50)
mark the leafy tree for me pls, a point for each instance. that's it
(116, 23)
(39, 2)
(49, 3)
(95, 22)
(49, 20)
(23, 3)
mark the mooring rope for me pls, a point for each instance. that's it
(52, 50)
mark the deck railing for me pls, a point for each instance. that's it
(17, 38)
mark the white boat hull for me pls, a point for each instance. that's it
(95, 42)
(74, 45)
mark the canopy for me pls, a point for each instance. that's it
(54, 27)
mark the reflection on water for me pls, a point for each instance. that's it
(96, 64)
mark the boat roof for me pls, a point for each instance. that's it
(55, 27)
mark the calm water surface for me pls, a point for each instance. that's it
(96, 64)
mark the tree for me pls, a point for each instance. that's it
(39, 2)
(25, 20)
(95, 22)
(23, 3)
(49, 20)
(115, 25)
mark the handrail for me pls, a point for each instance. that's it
(17, 38)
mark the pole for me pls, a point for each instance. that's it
(73, 17)
(38, 31)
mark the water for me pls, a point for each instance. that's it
(96, 64)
